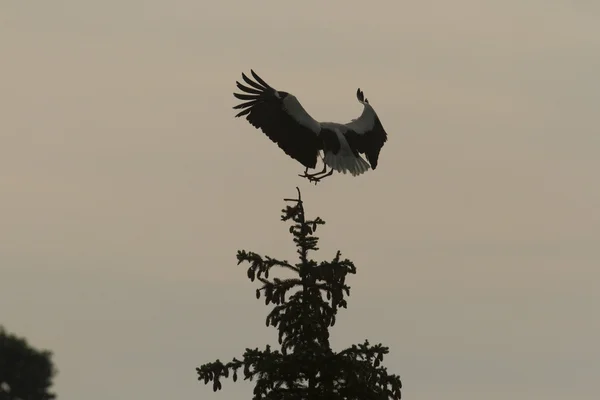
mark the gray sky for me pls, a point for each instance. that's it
(127, 186)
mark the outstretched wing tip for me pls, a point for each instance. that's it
(260, 80)
(360, 95)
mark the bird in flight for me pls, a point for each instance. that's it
(283, 119)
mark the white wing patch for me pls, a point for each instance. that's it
(293, 107)
(365, 122)
(345, 160)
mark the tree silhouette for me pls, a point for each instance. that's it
(304, 308)
(25, 373)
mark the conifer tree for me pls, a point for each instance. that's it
(305, 306)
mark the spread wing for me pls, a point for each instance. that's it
(366, 134)
(281, 117)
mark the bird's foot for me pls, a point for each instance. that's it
(316, 178)
(312, 178)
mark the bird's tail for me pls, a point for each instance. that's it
(346, 162)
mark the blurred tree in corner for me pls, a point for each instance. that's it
(25, 373)
(304, 308)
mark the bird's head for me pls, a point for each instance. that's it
(361, 96)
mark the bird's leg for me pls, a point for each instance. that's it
(322, 172)
(307, 175)
(315, 177)
(327, 174)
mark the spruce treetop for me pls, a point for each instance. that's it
(304, 307)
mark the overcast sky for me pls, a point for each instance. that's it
(126, 187)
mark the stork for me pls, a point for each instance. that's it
(283, 119)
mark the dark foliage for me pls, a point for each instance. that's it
(305, 307)
(25, 373)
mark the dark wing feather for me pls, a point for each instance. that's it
(248, 89)
(259, 80)
(369, 143)
(366, 134)
(252, 83)
(266, 109)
